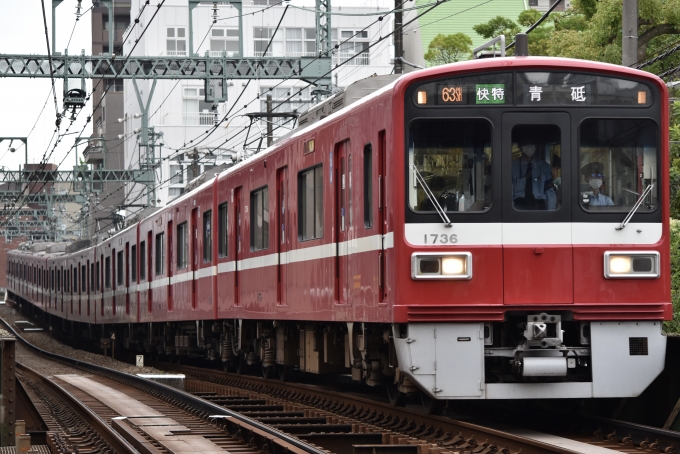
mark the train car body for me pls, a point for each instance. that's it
(349, 245)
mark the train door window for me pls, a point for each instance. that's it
(142, 260)
(75, 270)
(67, 281)
(259, 219)
(182, 245)
(451, 170)
(59, 280)
(133, 263)
(618, 161)
(310, 203)
(223, 217)
(160, 253)
(120, 265)
(350, 191)
(536, 167)
(92, 277)
(368, 186)
(83, 278)
(107, 272)
(52, 279)
(207, 236)
(97, 278)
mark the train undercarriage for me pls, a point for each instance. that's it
(529, 355)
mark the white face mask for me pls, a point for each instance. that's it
(529, 150)
(595, 183)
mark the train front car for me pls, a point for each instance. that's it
(535, 201)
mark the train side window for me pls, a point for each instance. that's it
(207, 236)
(160, 253)
(133, 263)
(223, 217)
(59, 280)
(368, 186)
(107, 272)
(97, 278)
(75, 279)
(120, 265)
(52, 279)
(259, 219)
(142, 260)
(182, 244)
(92, 277)
(310, 203)
(83, 278)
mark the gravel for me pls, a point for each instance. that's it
(43, 340)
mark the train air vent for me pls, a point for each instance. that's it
(637, 346)
(337, 104)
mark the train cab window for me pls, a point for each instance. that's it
(142, 260)
(452, 162)
(310, 203)
(107, 272)
(182, 245)
(222, 230)
(536, 167)
(259, 219)
(120, 268)
(618, 164)
(160, 253)
(83, 278)
(207, 236)
(133, 263)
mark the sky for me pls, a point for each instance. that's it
(22, 32)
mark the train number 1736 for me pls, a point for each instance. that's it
(440, 238)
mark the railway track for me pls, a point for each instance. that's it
(493, 434)
(309, 418)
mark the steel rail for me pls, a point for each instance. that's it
(184, 397)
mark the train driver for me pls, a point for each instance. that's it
(531, 176)
(593, 174)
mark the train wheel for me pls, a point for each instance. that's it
(396, 397)
(430, 405)
(284, 373)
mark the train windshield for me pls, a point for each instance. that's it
(618, 161)
(454, 158)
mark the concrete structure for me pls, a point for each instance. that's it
(105, 150)
(178, 109)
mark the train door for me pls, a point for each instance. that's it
(342, 217)
(127, 278)
(238, 230)
(382, 210)
(282, 229)
(537, 251)
(194, 261)
(149, 271)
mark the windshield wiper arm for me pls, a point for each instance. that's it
(430, 195)
(625, 222)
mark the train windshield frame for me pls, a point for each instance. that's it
(587, 130)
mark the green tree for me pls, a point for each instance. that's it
(445, 49)
(499, 25)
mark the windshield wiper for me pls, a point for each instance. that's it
(625, 222)
(430, 195)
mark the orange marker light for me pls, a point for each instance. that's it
(422, 97)
(642, 97)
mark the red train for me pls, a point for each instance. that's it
(349, 246)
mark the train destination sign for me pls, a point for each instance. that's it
(533, 89)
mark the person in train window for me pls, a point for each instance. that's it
(593, 174)
(554, 196)
(531, 178)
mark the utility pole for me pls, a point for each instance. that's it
(630, 32)
(398, 38)
(270, 130)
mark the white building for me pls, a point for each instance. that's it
(177, 108)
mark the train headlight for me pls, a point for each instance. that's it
(434, 265)
(631, 264)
